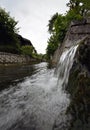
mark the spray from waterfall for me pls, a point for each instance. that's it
(64, 66)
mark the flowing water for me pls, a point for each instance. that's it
(37, 102)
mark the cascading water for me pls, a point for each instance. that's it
(62, 72)
(38, 103)
(64, 66)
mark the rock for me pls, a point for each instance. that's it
(79, 88)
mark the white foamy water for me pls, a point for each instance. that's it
(64, 65)
(38, 103)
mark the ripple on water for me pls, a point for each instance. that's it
(34, 104)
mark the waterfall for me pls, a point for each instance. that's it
(64, 66)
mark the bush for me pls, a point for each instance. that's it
(27, 50)
(8, 30)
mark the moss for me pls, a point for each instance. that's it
(79, 89)
(80, 102)
(72, 84)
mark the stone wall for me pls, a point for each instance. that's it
(77, 31)
(79, 88)
(6, 58)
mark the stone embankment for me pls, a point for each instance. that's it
(77, 31)
(9, 58)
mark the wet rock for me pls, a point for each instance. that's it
(79, 88)
(79, 78)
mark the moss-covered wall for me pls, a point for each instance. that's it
(79, 88)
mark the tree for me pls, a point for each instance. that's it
(52, 46)
(58, 24)
(8, 30)
(51, 23)
(27, 50)
(57, 28)
(81, 7)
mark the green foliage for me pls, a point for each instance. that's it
(9, 49)
(39, 57)
(57, 29)
(80, 7)
(8, 30)
(52, 46)
(58, 24)
(27, 50)
(51, 23)
(71, 16)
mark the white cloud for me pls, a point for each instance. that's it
(33, 16)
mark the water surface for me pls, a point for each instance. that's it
(36, 102)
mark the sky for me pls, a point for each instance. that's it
(33, 17)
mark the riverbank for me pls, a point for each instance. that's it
(15, 59)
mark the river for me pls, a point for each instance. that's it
(30, 99)
(33, 97)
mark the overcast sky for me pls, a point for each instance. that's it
(33, 17)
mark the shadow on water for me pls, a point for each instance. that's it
(13, 74)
